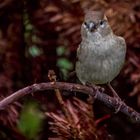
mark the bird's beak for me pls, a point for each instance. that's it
(91, 26)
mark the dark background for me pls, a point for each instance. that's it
(39, 35)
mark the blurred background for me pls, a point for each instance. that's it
(41, 35)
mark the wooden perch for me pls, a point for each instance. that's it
(104, 98)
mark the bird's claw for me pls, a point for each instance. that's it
(119, 105)
(94, 87)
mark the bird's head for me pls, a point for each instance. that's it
(95, 24)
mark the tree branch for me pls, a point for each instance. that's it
(104, 98)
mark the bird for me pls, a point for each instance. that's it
(101, 54)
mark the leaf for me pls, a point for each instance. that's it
(34, 51)
(60, 50)
(30, 121)
(64, 63)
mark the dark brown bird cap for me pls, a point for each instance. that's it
(94, 15)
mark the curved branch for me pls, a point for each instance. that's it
(104, 98)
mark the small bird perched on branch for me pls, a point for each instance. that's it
(101, 54)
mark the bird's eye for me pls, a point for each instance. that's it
(102, 23)
(85, 23)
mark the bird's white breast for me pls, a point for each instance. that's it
(101, 62)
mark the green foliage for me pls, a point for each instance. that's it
(61, 50)
(27, 25)
(63, 63)
(30, 38)
(34, 51)
(65, 66)
(30, 121)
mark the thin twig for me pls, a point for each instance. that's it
(104, 98)
(52, 78)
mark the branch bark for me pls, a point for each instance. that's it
(104, 98)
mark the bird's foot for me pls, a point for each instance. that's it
(119, 105)
(94, 87)
(115, 94)
(116, 97)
